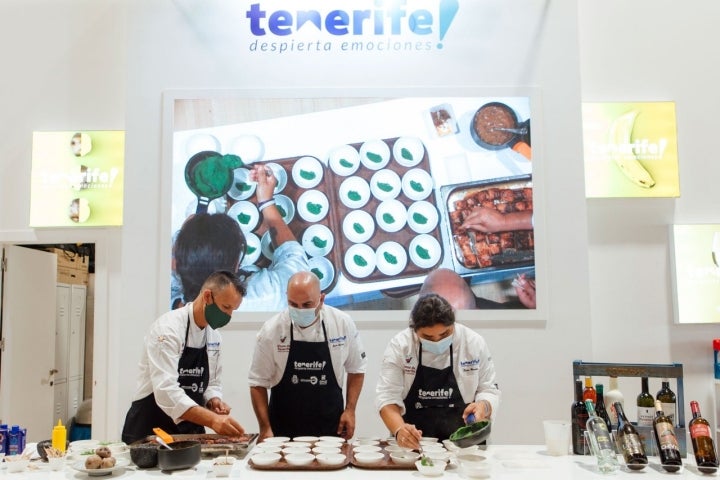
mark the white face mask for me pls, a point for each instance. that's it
(438, 347)
(302, 317)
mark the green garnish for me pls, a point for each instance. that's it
(359, 261)
(314, 208)
(307, 175)
(281, 210)
(211, 174)
(406, 154)
(467, 430)
(354, 196)
(87, 452)
(250, 250)
(422, 253)
(345, 163)
(244, 218)
(392, 259)
(387, 218)
(242, 186)
(420, 219)
(385, 187)
(374, 157)
(417, 186)
(358, 228)
(426, 461)
(319, 242)
(318, 273)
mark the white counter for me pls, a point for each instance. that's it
(515, 462)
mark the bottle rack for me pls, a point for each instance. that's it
(670, 370)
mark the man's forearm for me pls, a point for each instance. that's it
(353, 388)
(259, 399)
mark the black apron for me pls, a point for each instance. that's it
(308, 399)
(193, 377)
(434, 403)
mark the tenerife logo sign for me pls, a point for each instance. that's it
(375, 26)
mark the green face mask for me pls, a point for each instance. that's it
(215, 317)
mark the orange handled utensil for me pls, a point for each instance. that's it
(163, 434)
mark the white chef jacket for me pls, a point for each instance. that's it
(472, 365)
(164, 343)
(272, 346)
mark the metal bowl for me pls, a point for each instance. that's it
(472, 434)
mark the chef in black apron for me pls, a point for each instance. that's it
(209, 310)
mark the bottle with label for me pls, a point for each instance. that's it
(613, 396)
(667, 397)
(628, 441)
(702, 441)
(645, 406)
(15, 441)
(600, 442)
(3, 438)
(600, 408)
(665, 439)
(579, 416)
(716, 354)
(59, 436)
(589, 391)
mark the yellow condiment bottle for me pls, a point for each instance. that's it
(59, 436)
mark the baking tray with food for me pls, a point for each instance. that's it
(387, 217)
(492, 251)
(212, 444)
(280, 463)
(302, 198)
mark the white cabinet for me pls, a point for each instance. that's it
(69, 350)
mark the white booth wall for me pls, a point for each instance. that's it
(81, 64)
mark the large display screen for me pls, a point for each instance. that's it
(374, 194)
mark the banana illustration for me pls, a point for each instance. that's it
(619, 136)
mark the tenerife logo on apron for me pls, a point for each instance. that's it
(435, 395)
(191, 372)
(316, 365)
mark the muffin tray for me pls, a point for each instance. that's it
(283, 466)
(386, 463)
(490, 252)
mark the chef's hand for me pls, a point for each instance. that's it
(346, 427)
(226, 425)
(525, 290)
(486, 220)
(408, 436)
(265, 433)
(266, 182)
(218, 406)
(482, 410)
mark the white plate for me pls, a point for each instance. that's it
(242, 187)
(97, 472)
(286, 207)
(354, 192)
(374, 154)
(391, 258)
(318, 240)
(201, 142)
(245, 214)
(307, 172)
(250, 148)
(358, 226)
(385, 185)
(325, 268)
(417, 184)
(391, 215)
(366, 255)
(313, 206)
(252, 250)
(266, 246)
(344, 160)
(408, 151)
(422, 217)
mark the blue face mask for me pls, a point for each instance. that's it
(302, 317)
(438, 347)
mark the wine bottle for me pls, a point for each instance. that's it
(589, 391)
(705, 454)
(579, 416)
(628, 441)
(613, 396)
(667, 443)
(600, 408)
(667, 397)
(599, 440)
(645, 406)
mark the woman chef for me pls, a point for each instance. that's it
(178, 386)
(434, 374)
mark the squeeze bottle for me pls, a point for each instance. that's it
(59, 436)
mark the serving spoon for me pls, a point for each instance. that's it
(162, 442)
(519, 131)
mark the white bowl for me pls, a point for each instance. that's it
(374, 154)
(317, 240)
(222, 466)
(428, 445)
(329, 438)
(425, 251)
(248, 147)
(252, 249)
(323, 269)
(313, 206)
(242, 187)
(369, 458)
(266, 246)
(293, 444)
(397, 448)
(201, 142)
(306, 438)
(479, 470)
(16, 465)
(422, 217)
(286, 207)
(385, 185)
(366, 441)
(360, 260)
(344, 160)
(245, 214)
(404, 458)
(278, 172)
(390, 258)
(429, 439)
(417, 184)
(391, 216)
(354, 192)
(215, 206)
(437, 455)
(408, 151)
(471, 459)
(266, 459)
(331, 458)
(328, 443)
(326, 450)
(358, 226)
(434, 470)
(299, 459)
(307, 172)
(367, 448)
(293, 450)
(267, 448)
(276, 440)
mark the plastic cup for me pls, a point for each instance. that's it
(557, 437)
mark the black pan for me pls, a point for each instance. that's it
(185, 454)
(209, 175)
(507, 118)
